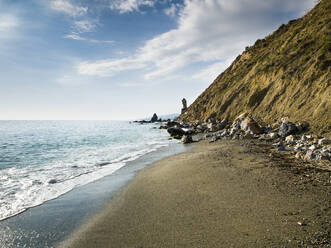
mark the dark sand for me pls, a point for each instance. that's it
(224, 194)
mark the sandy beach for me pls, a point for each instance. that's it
(222, 194)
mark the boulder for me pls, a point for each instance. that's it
(248, 136)
(186, 139)
(290, 140)
(250, 125)
(304, 126)
(172, 124)
(222, 124)
(52, 181)
(212, 127)
(176, 132)
(324, 141)
(309, 156)
(286, 129)
(273, 135)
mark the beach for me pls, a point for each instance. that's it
(222, 194)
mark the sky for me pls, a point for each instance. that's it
(123, 59)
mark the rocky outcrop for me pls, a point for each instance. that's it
(284, 135)
(154, 118)
(176, 132)
(186, 139)
(286, 74)
(184, 108)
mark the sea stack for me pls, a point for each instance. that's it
(154, 118)
(184, 106)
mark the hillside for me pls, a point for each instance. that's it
(286, 74)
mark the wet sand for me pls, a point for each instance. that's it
(224, 194)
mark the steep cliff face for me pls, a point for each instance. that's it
(286, 74)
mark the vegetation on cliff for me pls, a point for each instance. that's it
(285, 74)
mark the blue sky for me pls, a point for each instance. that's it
(123, 59)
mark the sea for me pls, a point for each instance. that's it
(42, 160)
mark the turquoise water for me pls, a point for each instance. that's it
(41, 160)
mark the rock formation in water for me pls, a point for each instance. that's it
(184, 108)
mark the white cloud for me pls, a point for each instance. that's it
(85, 25)
(78, 37)
(172, 10)
(124, 6)
(8, 22)
(68, 8)
(208, 31)
(74, 37)
(106, 68)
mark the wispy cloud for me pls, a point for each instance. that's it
(68, 8)
(172, 10)
(78, 37)
(125, 6)
(8, 22)
(106, 68)
(208, 31)
(83, 26)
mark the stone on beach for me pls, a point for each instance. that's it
(176, 132)
(250, 125)
(324, 141)
(186, 139)
(287, 128)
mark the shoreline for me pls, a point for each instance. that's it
(221, 194)
(53, 221)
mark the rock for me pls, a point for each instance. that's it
(302, 223)
(299, 155)
(290, 139)
(299, 129)
(324, 141)
(172, 124)
(248, 136)
(184, 108)
(250, 125)
(154, 118)
(52, 181)
(312, 147)
(186, 139)
(222, 124)
(281, 149)
(211, 118)
(241, 116)
(309, 156)
(237, 122)
(284, 119)
(214, 138)
(273, 135)
(224, 133)
(286, 128)
(212, 127)
(304, 125)
(323, 156)
(176, 132)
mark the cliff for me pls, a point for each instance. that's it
(285, 74)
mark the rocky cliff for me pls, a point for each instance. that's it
(285, 74)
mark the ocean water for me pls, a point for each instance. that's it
(41, 160)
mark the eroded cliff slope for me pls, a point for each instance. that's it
(286, 74)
